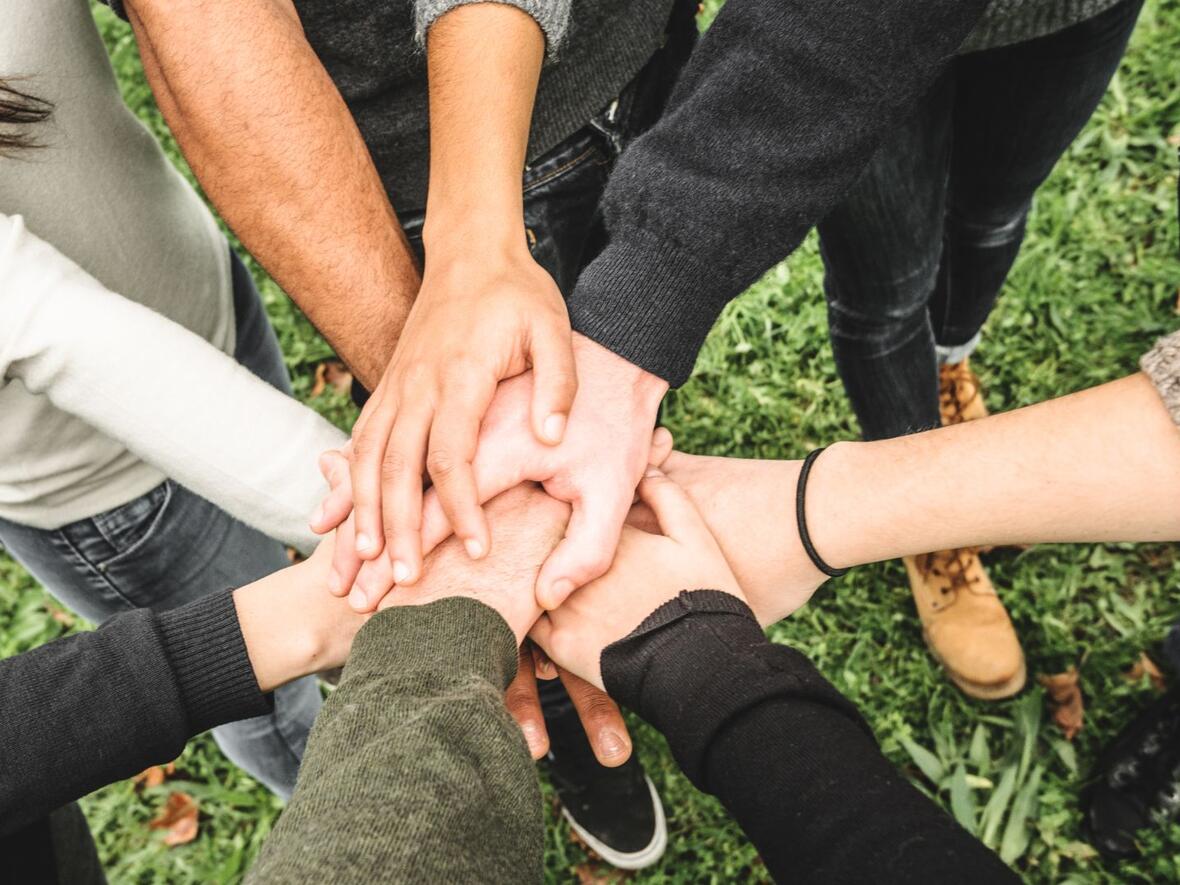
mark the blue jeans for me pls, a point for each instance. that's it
(917, 253)
(170, 547)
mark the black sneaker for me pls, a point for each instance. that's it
(616, 811)
(1138, 779)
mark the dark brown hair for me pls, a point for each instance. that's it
(19, 111)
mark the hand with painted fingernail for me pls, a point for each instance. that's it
(649, 570)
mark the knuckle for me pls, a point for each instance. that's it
(441, 464)
(394, 465)
(597, 707)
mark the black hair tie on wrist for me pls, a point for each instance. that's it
(801, 518)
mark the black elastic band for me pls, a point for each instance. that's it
(801, 519)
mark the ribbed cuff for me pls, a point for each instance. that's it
(1162, 365)
(205, 647)
(551, 16)
(434, 644)
(699, 661)
(651, 302)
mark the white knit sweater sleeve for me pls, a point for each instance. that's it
(166, 394)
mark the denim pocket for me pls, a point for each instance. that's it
(127, 528)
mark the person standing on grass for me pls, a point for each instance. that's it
(916, 254)
(102, 529)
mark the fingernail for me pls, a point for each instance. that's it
(401, 571)
(532, 736)
(560, 589)
(334, 584)
(363, 543)
(554, 427)
(653, 471)
(474, 548)
(318, 516)
(357, 599)
(611, 744)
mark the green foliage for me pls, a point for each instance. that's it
(1095, 284)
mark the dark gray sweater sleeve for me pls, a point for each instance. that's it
(86, 710)
(775, 115)
(414, 771)
(756, 724)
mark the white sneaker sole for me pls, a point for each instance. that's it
(635, 860)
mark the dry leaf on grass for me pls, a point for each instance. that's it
(1065, 700)
(1145, 666)
(62, 616)
(334, 374)
(593, 874)
(179, 818)
(156, 775)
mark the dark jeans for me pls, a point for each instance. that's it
(917, 253)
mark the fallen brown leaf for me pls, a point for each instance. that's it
(62, 616)
(1145, 666)
(1174, 139)
(593, 874)
(179, 818)
(156, 775)
(1065, 700)
(334, 374)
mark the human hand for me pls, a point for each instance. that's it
(749, 507)
(482, 315)
(378, 574)
(528, 524)
(607, 444)
(291, 626)
(649, 570)
(600, 716)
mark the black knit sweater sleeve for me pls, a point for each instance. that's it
(775, 115)
(89, 709)
(756, 724)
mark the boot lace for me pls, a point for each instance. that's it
(957, 389)
(952, 567)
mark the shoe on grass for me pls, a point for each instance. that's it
(965, 625)
(960, 395)
(616, 812)
(1137, 779)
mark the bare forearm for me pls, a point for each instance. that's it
(1099, 465)
(275, 148)
(483, 61)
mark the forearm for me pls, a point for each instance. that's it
(171, 398)
(90, 709)
(774, 117)
(788, 756)
(418, 715)
(275, 148)
(1099, 465)
(483, 61)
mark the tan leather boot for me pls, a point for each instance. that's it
(960, 395)
(966, 627)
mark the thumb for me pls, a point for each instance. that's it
(586, 551)
(337, 504)
(555, 382)
(677, 515)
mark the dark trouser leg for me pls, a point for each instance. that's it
(881, 249)
(1016, 111)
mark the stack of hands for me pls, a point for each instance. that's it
(686, 526)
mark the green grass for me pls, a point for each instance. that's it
(1095, 284)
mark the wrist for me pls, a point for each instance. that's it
(474, 222)
(649, 389)
(284, 639)
(847, 517)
